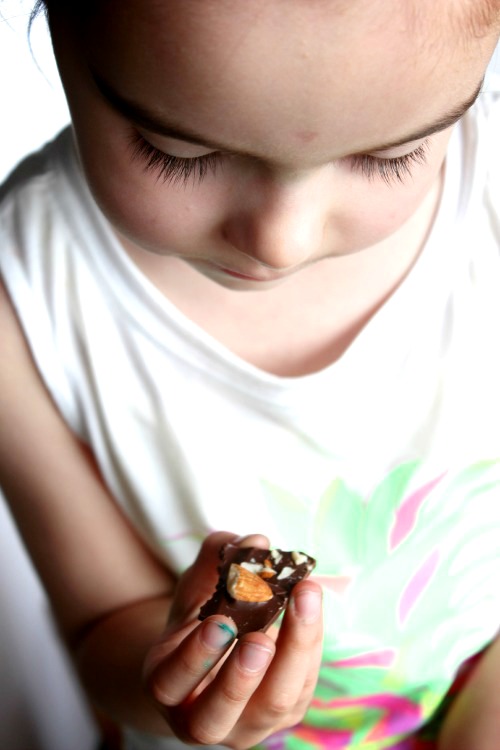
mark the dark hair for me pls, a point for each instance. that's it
(75, 9)
(39, 7)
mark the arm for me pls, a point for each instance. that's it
(111, 597)
(473, 722)
(59, 502)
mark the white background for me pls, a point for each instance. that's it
(40, 708)
(32, 103)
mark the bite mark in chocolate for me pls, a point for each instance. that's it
(255, 584)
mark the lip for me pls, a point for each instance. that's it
(247, 277)
(238, 275)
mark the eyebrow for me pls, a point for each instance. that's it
(148, 120)
(446, 121)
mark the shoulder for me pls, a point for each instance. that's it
(28, 192)
(38, 165)
(33, 239)
(38, 207)
(479, 154)
(32, 217)
(488, 130)
(487, 118)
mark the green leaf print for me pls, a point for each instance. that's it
(340, 549)
(396, 567)
(290, 513)
(381, 511)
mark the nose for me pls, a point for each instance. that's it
(280, 223)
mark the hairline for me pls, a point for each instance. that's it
(468, 20)
(476, 18)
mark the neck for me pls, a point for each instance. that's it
(320, 310)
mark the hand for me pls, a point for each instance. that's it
(213, 690)
(473, 719)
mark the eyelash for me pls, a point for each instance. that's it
(174, 169)
(393, 169)
(179, 170)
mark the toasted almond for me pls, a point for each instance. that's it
(267, 573)
(245, 586)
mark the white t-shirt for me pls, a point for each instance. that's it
(385, 466)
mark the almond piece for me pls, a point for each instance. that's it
(267, 573)
(245, 586)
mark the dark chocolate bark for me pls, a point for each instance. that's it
(255, 584)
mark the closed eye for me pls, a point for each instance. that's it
(174, 169)
(179, 170)
(390, 169)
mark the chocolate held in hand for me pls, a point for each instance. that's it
(255, 584)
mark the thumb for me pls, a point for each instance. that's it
(198, 582)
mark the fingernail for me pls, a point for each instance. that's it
(216, 635)
(253, 657)
(307, 606)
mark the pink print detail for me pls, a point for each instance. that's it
(406, 514)
(398, 715)
(384, 659)
(401, 716)
(417, 585)
(326, 739)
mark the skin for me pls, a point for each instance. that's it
(324, 244)
(297, 89)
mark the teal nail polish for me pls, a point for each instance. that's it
(216, 635)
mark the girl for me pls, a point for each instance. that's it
(256, 288)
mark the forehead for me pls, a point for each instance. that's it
(285, 72)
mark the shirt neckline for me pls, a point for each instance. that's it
(140, 299)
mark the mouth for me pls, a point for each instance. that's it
(248, 277)
(237, 275)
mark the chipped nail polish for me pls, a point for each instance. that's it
(216, 635)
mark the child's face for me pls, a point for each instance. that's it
(301, 99)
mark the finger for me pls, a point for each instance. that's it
(215, 712)
(309, 684)
(293, 673)
(173, 679)
(198, 582)
(253, 540)
(285, 695)
(263, 719)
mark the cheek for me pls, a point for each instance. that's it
(393, 208)
(380, 210)
(153, 214)
(386, 208)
